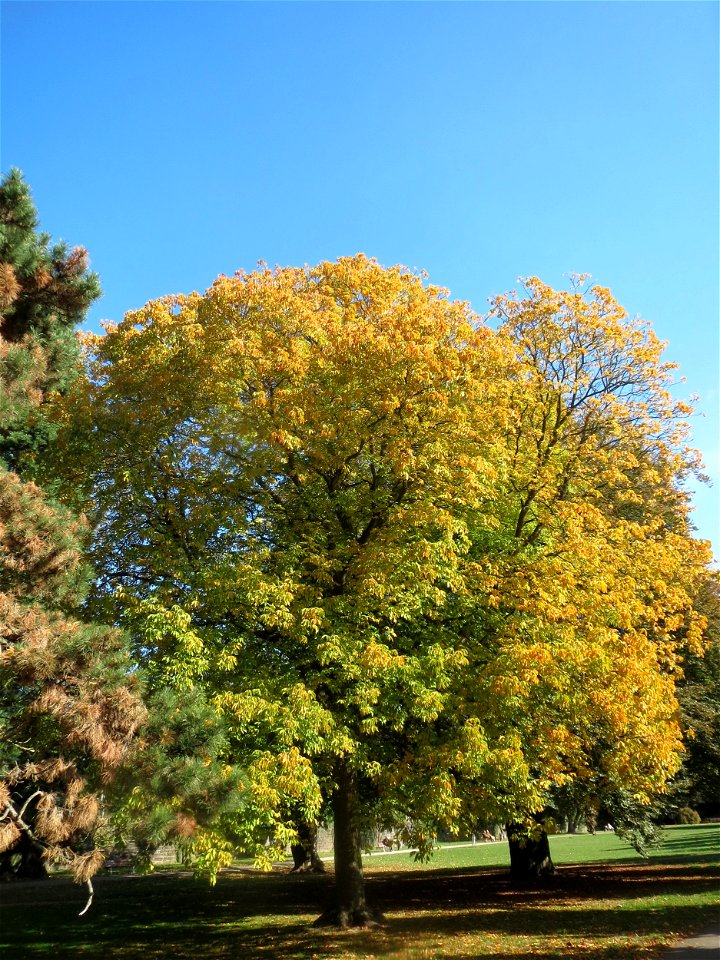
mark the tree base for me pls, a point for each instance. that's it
(530, 860)
(533, 877)
(306, 858)
(343, 918)
(309, 867)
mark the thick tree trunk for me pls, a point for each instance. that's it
(529, 858)
(351, 909)
(306, 858)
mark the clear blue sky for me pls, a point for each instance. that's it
(479, 141)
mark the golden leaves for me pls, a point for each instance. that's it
(385, 511)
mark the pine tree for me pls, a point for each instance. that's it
(68, 707)
(68, 711)
(45, 292)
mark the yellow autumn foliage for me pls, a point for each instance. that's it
(457, 554)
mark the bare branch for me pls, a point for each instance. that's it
(90, 898)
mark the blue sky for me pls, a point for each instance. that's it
(480, 141)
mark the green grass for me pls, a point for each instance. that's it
(703, 841)
(603, 904)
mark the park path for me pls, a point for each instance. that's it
(703, 946)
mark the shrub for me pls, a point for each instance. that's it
(688, 815)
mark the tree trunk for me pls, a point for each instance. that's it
(529, 858)
(306, 858)
(30, 866)
(350, 908)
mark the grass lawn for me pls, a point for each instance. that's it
(603, 904)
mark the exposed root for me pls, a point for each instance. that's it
(310, 867)
(344, 919)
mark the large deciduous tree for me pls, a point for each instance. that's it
(69, 710)
(291, 460)
(427, 571)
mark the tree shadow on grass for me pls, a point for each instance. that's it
(703, 837)
(597, 881)
(575, 914)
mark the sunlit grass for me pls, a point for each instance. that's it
(698, 841)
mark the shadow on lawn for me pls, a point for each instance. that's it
(573, 915)
(703, 838)
(596, 881)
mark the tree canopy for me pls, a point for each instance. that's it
(598, 570)
(426, 569)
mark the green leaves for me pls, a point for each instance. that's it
(369, 530)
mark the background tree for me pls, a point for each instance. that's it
(697, 784)
(597, 798)
(69, 707)
(597, 570)
(581, 596)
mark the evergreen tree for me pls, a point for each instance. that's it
(69, 707)
(45, 292)
(68, 710)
